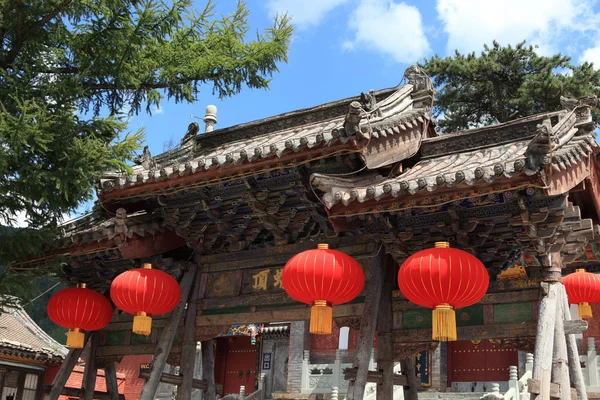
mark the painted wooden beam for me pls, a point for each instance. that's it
(129, 349)
(524, 329)
(301, 313)
(519, 296)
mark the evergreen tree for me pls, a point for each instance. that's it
(69, 69)
(504, 83)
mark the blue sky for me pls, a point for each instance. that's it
(343, 47)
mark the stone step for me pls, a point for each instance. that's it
(450, 396)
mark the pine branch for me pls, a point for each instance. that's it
(22, 36)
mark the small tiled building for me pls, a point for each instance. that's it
(29, 358)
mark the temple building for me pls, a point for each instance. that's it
(369, 176)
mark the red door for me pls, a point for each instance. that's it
(479, 361)
(240, 365)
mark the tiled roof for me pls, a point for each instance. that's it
(395, 114)
(521, 147)
(20, 336)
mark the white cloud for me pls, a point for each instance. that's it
(157, 110)
(472, 23)
(592, 55)
(304, 13)
(394, 29)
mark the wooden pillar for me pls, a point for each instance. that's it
(58, 384)
(560, 367)
(88, 384)
(188, 347)
(374, 282)
(408, 367)
(208, 369)
(385, 350)
(163, 347)
(575, 372)
(544, 343)
(112, 386)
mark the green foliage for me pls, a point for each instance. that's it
(504, 83)
(70, 71)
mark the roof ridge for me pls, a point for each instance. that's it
(27, 322)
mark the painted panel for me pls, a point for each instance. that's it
(415, 319)
(115, 338)
(470, 316)
(512, 312)
(263, 280)
(423, 367)
(220, 285)
(140, 339)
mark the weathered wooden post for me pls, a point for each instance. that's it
(385, 350)
(560, 367)
(208, 369)
(58, 384)
(91, 370)
(542, 365)
(163, 347)
(408, 367)
(188, 348)
(374, 280)
(112, 386)
(575, 372)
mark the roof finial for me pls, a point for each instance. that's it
(210, 118)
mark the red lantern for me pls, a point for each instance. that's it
(79, 309)
(145, 292)
(443, 279)
(583, 288)
(322, 278)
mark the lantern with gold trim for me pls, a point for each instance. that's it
(145, 292)
(79, 309)
(323, 278)
(583, 289)
(443, 279)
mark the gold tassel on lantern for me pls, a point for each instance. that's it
(321, 317)
(585, 310)
(444, 323)
(75, 338)
(142, 323)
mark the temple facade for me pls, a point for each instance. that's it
(372, 177)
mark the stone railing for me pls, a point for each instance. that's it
(517, 387)
(590, 371)
(329, 378)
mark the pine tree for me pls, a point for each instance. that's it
(504, 83)
(70, 69)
